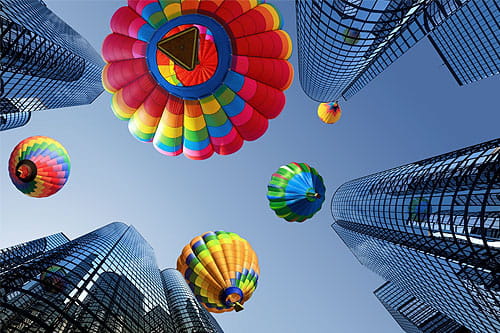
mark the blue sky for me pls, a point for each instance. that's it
(309, 282)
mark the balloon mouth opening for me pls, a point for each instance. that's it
(231, 297)
(26, 171)
(314, 195)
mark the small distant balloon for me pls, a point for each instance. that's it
(39, 166)
(221, 268)
(351, 36)
(329, 113)
(296, 192)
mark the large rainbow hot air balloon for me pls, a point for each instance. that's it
(197, 77)
(329, 113)
(39, 166)
(296, 192)
(222, 270)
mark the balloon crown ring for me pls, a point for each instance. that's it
(185, 56)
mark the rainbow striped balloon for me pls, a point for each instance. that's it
(197, 77)
(222, 270)
(39, 166)
(329, 113)
(296, 192)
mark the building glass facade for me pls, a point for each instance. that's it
(14, 255)
(413, 315)
(188, 315)
(104, 281)
(344, 44)
(432, 228)
(44, 64)
(469, 41)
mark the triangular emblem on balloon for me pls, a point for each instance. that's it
(182, 48)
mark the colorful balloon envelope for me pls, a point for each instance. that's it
(329, 113)
(222, 270)
(296, 192)
(39, 166)
(52, 279)
(197, 77)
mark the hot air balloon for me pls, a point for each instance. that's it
(52, 279)
(39, 166)
(419, 209)
(221, 268)
(329, 112)
(197, 77)
(351, 36)
(296, 192)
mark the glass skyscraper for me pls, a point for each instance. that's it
(104, 281)
(413, 315)
(344, 44)
(187, 313)
(45, 64)
(432, 229)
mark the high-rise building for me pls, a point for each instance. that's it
(45, 64)
(413, 315)
(432, 228)
(104, 281)
(188, 315)
(344, 44)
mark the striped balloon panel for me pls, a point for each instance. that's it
(238, 110)
(52, 166)
(215, 261)
(296, 192)
(329, 113)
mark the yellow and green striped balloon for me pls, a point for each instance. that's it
(221, 268)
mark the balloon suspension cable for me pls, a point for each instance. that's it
(238, 307)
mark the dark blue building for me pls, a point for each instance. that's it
(104, 281)
(45, 64)
(413, 315)
(432, 228)
(344, 44)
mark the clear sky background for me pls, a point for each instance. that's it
(310, 282)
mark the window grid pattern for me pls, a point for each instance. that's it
(434, 280)
(10, 117)
(413, 315)
(469, 41)
(109, 283)
(14, 255)
(45, 63)
(343, 45)
(445, 207)
(188, 315)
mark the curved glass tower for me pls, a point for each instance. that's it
(188, 315)
(432, 228)
(344, 44)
